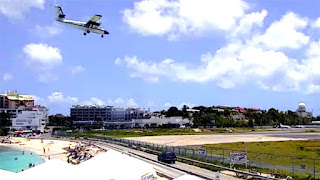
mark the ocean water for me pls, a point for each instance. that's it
(15, 159)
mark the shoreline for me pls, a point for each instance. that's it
(48, 149)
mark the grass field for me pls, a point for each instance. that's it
(285, 153)
(163, 132)
(301, 149)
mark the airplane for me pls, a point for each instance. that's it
(284, 126)
(91, 26)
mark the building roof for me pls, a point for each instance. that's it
(193, 110)
(17, 97)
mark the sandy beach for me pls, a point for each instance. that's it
(53, 149)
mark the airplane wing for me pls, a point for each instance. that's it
(94, 20)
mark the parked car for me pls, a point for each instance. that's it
(169, 157)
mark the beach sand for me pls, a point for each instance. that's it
(55, 149)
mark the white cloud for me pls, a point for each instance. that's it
(316, 24)
(77, 69)
(159, 17)
(190, 105)
(131, 103)
(47, 31)
(167, 104)
(119, 102)
(229, 67)
(94, 101)
(313, 89)
(42, 54)
(17, 9)
(118, 61)
(249, 21)
(39, 100)
(7, 77)
(57, 97)
(250, 56)
(285, 33)
(42, 59)
(312, 66)
(314, 49)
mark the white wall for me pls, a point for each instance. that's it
(35, 119)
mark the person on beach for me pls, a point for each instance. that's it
(44, 150)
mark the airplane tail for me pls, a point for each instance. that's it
(59, 13)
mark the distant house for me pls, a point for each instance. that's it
(239, 117)
(315, 123)
(192, 111)
(169, 122)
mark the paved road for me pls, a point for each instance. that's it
(185, 140)
(171, 171)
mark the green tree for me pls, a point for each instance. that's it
(173, 111)
(60, 120)
(184, 111)
(163, 112)
(4, 123)
(226, 113)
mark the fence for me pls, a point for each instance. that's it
(303, 168)
(278, 165)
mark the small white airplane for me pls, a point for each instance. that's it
(91, 26)
(284, 126)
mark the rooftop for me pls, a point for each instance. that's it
(14, 95)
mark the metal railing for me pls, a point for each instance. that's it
(181, 155)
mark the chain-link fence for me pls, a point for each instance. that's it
(278, 165)
(257, 162)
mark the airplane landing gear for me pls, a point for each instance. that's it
(84, 33)
(102, 36)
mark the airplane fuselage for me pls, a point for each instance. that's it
(83, 26)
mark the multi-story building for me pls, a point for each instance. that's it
(31, 120)
(106, 113)
(13, 100)
(165, 122)
(23, 113)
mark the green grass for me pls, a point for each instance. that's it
(278, 153)
(162, 132)
(312, 131)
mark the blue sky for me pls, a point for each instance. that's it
(161, 53)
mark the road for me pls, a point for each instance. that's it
(185, 140)
(170, 170)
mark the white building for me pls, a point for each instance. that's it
(31, 120)
(192, 111)
(302, 112)
(156, 121)
(107, 113)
